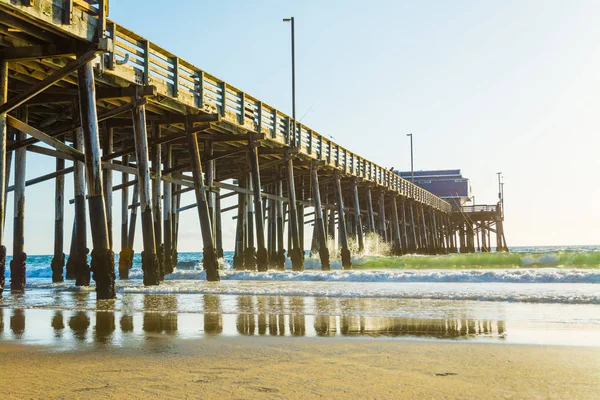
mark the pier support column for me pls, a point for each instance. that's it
(156, 203)
(397, 249)
(295, 251)
(107, 182)
(250, 252)
(135, 199)
(371, 214)
(218, 227)
(3, 167)
(17, 264)
(262, 257)
(175, 228)
(413, 228)
(238, 257)
(167, 212)
(358, 220)
(382, 227)
(425, 232)
(280, 262)
(126, 254)
(103, 262)
(209, 258)
(58, 260)
(344, 250)
(405, 244)
(319, 224)
(80, 267)
(484, 246)
(149, 259)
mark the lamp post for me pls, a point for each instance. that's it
(412, 170)
(291, 20)
(499, 186)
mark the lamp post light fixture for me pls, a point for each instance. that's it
(412, 169)
(291, 20)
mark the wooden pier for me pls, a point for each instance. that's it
(108, 100)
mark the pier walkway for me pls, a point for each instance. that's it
(99, 95)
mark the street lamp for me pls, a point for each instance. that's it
(412, 170)
(499, 186)
(291, 20)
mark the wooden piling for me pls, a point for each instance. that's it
(262, 257)
(425, 232)
(3, 166)
(250, 251)
(209, 258)
(371, 214)
(156, 202)
(238, 257)
(103, 263)
(175, 230)
(295, 251)
(280, 262)
(167, 214)
(80, 267)
(397, 246)
(344, 250)
(319, 223)
(107, 148)
(126, 254)
(405, 242)
(150, 264)
(358, 220)
(17, 264)
(58, 260)
(218, 228)
(413, 229)
(135, 199)
(382, 224)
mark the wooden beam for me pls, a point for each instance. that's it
(45, 138)
(48, 81)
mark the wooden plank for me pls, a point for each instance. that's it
(42, 137)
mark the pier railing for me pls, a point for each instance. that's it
(480, 208)
(137, 60)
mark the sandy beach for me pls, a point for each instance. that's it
(291, 368)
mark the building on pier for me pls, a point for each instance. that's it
(448, 184)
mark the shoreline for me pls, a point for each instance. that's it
(264, 367)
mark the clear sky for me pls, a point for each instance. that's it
(509, 86)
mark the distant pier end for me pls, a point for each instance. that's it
(473, 223)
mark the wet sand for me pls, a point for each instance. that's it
(284, 367)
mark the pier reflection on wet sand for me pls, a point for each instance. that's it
(255, 315)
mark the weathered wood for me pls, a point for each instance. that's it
(413, 227)
(50, 80)
(103, 263)
(3, 166)
(126, 254)
(295, 252)
(250, 250)
(382, 222)
(280, 262)
(78, 258)
(107, 178)
(41, 136)
(358, 220)
(371, 216)
(319, 223)
(238, 257)
(397, 247)
(262, 257)
(156, 202)
(150, 264)
(344, 250)
(209, 256)
(167, 212)
(17, 264)
(58, 260)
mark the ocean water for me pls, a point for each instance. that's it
(546, 295)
